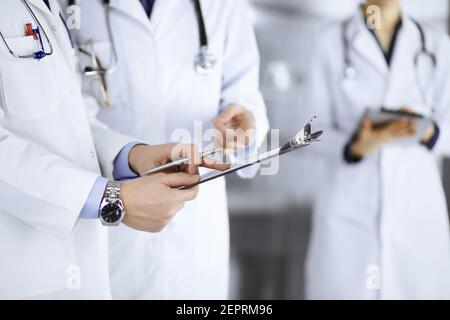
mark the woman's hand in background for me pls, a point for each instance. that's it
(370, 138)
(431, 130)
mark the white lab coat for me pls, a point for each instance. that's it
(155, 91)
(48, 167)
(381, 227)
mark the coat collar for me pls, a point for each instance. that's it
(60, 39)
(134, 9)
(362, 41)
(42, 7)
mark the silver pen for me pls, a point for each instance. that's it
(179, 162)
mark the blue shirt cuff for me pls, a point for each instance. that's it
(122, 170)
(92, 206)
(430, 144)
(349, 157)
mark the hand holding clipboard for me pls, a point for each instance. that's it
(384, 116)
(381, 127)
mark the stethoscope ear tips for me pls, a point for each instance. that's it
(205, 62)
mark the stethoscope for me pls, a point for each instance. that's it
(37, 34)
(204, 63)
(96, 69)
(350, 72)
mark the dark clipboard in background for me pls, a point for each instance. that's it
(382, 116)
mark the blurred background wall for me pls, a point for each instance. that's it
(270, 215)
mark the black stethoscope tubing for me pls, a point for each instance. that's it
(204, 61)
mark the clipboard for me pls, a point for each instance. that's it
(301, 140)
(380, 117)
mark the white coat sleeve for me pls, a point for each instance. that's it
(318, 101)
(108, 143)
(442, 95)
(240, 83)
(38, 187)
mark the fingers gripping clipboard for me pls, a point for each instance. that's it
(301, 140)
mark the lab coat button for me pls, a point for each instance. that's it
(54, 28)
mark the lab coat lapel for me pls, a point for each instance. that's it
(42, 7)
(134, 10)
(52, 20)
(364, 43)
(62, 33)
(402, 66)
(163, 8)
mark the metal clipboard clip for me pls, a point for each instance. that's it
(302, 139)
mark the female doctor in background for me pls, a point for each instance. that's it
(158, 86)
(381, 228)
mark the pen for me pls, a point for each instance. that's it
(179, 162)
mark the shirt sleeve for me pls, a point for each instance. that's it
(349, 157)
(92, 206)
(434, 139)
(122, 170)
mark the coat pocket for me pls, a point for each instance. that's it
(29, 86)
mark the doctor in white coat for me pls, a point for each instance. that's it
(52, 244)
(156, 88)
(381, 228)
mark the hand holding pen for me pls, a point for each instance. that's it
(170, 158)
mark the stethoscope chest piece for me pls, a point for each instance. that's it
(205, 61)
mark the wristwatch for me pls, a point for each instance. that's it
(112, 210)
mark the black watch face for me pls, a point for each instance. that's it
(111, 213)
